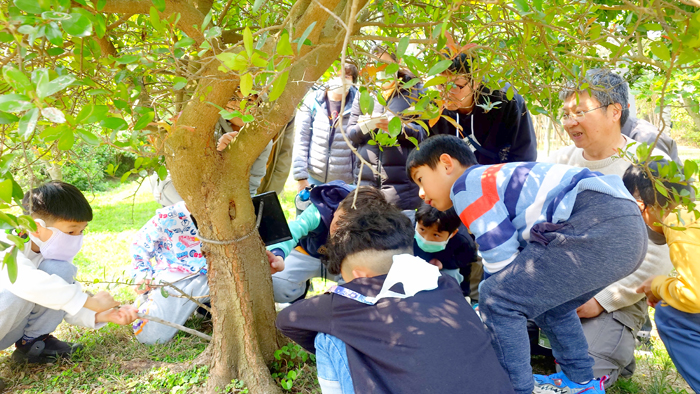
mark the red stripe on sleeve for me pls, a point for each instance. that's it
(488, 198)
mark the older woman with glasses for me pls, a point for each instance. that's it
(593, 115)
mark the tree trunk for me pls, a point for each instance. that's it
(693, 110)
(214, 186)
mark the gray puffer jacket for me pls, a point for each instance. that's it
(320, 151)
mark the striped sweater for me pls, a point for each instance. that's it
(500, 203)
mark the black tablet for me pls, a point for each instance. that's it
(273, 225)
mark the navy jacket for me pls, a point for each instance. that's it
(505, 132)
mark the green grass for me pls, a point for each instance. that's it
(112, 361)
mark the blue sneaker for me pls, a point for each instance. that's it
(559, 380)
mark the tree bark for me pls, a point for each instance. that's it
(214, 186)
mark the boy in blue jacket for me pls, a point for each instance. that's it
(310, 231)
(544, 234)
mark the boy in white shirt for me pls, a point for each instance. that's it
(45, 292)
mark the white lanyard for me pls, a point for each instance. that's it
(471, 140)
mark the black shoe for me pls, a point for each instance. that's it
(42, 350)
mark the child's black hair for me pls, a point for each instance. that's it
(360, 230)
(429, 151)
(57, 200)
(446, 221)
(639, 184)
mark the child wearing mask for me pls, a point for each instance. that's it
(45, 292)
(438, 242)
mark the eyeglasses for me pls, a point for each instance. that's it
(578, 116)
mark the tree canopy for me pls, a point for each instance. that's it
(116, 72)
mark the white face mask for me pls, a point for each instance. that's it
(60, 246)
(335, 86)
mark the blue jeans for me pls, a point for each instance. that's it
(680, 332)
(547, 281)
(332, 364)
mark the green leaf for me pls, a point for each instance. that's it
(257, 5)
(66, 141)
(689, 169)
(164, 292)
(162, 173)
(53, 114)
(439, 67)
(92, 113)
(401, 49)
(284, 48)
(10, 261)
(6, 190)
(127, 59)
(54, 16)
(660, 187)
(439, 80)
(306, 33)
(159, 4)
(17, 79)
(27, 222)
(246, 84)
(27, 123)
(207, 19)
(6, 118)
(179, 83)
(78, 25)
(278, 85)
(28, 6)
(660, 50)
(19, 242)
(100, 5)
(155, 20)
(114, 124)
(15, 103)
(88, 137)
(185, 42)
(395, 126)
(510, 93)
(248, 41)
(366, 102)
(55, 86)
(212, 33)
(144, 120)
(522, 5)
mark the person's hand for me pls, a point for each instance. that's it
(276, 262)
(101, 302)
(122, 316)
(143, 286)
(590, 309)
(383, 124)
(645, 288)
(436, 263)
(302, 184)
(225, 140)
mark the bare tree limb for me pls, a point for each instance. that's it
(173, 325)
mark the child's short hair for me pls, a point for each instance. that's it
(639, 184)
(57, 200)
(362, 230)
(446, 221)
(368, 197)
(429, 151)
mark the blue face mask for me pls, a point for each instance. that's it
(430, 246)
